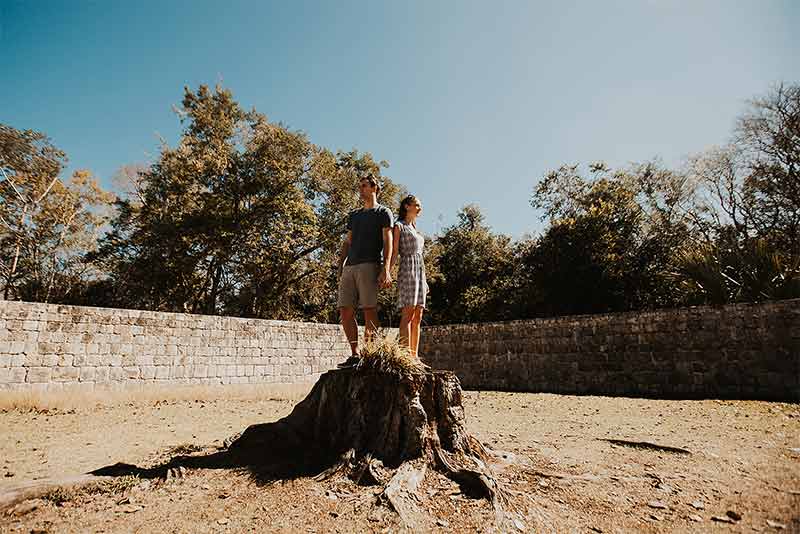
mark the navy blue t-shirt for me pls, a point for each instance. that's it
(367, 225)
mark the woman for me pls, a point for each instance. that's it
(412, 287)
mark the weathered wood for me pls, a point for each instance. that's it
(391, 419)
(23, 491)
(364, 423)
(401, 494)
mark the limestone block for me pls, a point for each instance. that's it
(66, 360)
(101, 374)
(116, 374)
(65, 374)
(17, 375)
(12, 376)
(75, 348)
(162, 372)
(58, 337)
(132, 372)
(125, 337)
(46, 348)
(148, 372)
(38, 375)
(87, 374)
(144, 359)
(32, 360)
(95, 360)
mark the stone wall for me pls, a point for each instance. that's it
(50, 347)
(735, 351)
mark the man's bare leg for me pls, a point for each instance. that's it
(370, 323)
(350, 326)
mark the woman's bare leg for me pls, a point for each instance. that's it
(406, 318)
(416, 324)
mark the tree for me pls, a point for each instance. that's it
(48, 225)
(241, 218)
(747, 207)
(768, 135)
(611, 242)
(473, 272)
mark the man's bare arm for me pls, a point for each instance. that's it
(385, 278)
(395, 247)
(344, 250)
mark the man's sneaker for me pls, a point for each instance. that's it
(349, 362)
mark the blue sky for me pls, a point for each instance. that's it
(470, 102)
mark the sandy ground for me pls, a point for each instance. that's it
(743, 461)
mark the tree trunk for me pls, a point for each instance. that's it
(365, 424)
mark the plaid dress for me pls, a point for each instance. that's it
(412, 287)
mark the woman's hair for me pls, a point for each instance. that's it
(404, 204)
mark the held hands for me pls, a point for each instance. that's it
(385, 279)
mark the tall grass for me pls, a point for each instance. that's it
(385, 354)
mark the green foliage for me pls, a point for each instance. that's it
(472, 274)
(753, 272)
(610, 242)
(243, 218)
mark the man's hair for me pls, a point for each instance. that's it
(372, 180)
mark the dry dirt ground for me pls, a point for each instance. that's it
(743, 462)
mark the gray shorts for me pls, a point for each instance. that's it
(358, 286)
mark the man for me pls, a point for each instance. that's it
(362, 268)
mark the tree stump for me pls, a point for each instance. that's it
(378, 426)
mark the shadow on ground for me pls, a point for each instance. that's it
(268, 451)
